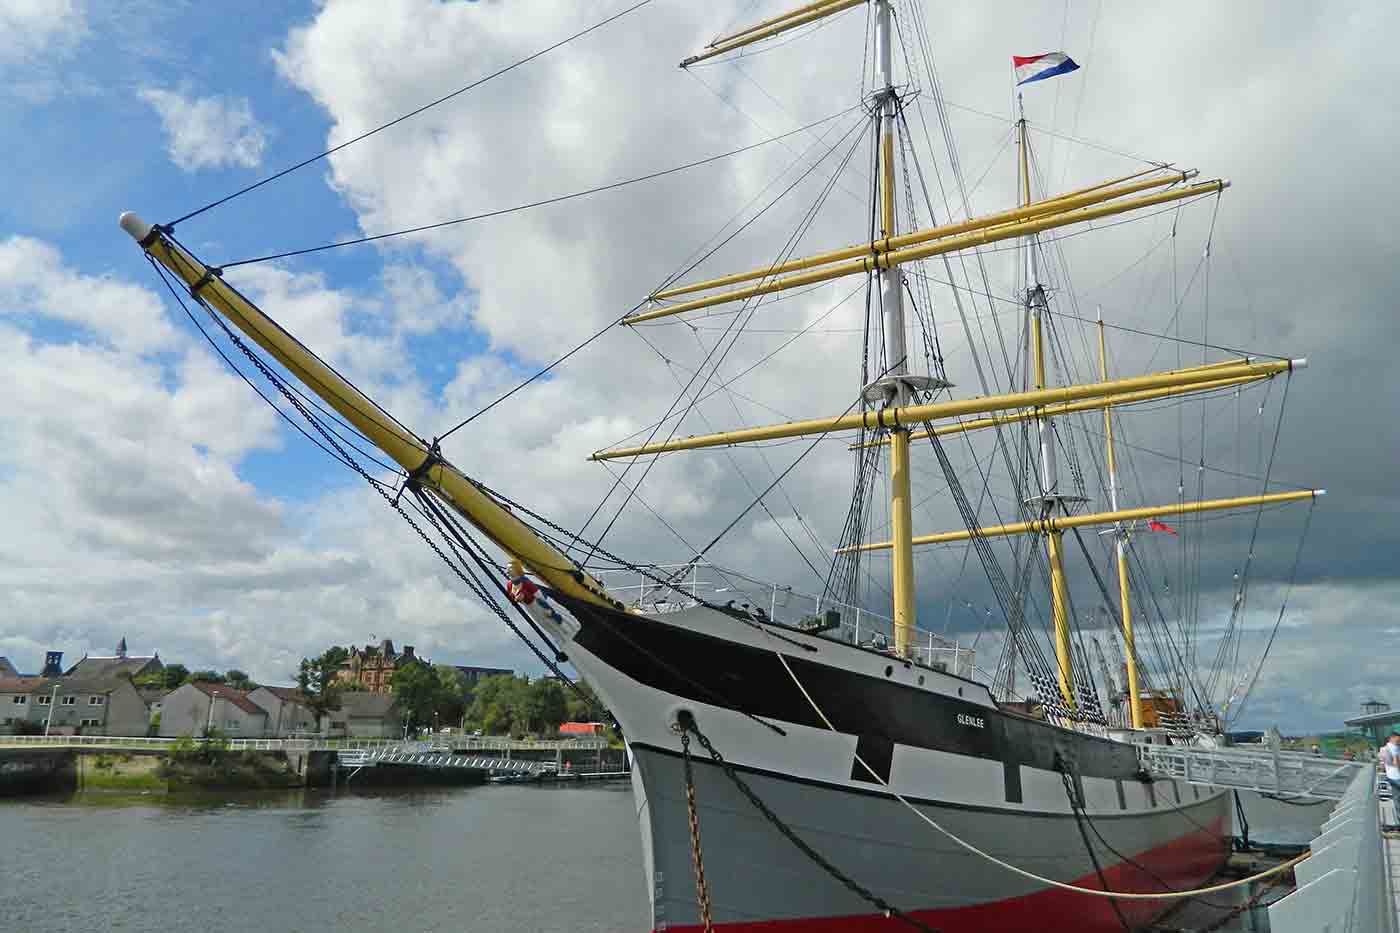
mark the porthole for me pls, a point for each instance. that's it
(889, 670)
(921, 680)
(960, 691)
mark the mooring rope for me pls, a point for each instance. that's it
(1014, 869)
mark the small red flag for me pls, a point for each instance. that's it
(1161, 526)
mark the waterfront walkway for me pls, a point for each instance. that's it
(1351, 882)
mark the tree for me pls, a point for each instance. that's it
(206, 677)
(495, 702)
(545, 705)
(174, 675)
(453, 699)
(416, 690)
(238, 680)
(585, 706)
(316, 679)
(423, 691)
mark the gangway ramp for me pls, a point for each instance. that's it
(1287, 775)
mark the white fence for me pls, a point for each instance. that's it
(456, 743)
(1346, 886)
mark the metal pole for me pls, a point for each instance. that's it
(1049, 473)
(1120, 540)
(52, 703)
(892, 307)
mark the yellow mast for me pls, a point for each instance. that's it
(410, 452)
(895, 387)
(1049, 499)
(1120, 542)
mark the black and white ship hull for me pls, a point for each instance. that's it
(991, 778)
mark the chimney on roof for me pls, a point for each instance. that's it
(408, 653)
(53, 664)
(121, 647)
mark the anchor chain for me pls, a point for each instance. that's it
(702, 887)
(685, 724)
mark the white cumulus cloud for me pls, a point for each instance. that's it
(208, 132)
(35, 29)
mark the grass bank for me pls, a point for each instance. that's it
(185, 769)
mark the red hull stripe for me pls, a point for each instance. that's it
(1182, 863)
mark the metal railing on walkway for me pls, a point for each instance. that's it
(390, 755)
(1348, 885)
(1287, 775)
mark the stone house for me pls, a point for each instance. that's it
(72, 704)
(120, 663)
(192, 708)
(287, 710)
(366, 716)
(373, 666)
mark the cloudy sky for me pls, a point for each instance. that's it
(147, 493)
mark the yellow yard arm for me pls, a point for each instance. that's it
(917, 414)
(406, 449)
(1075, 199)
(1069, 408)
(1066, 522)
(772, 27)
(946, 244)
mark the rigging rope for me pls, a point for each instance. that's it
(1032, 876)
(531, 205)
(412, 113)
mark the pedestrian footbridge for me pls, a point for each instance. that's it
(427, 755)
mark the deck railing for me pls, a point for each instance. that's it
(854, 625)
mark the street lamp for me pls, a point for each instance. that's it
(53, 701)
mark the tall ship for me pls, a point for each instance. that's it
(826, 762)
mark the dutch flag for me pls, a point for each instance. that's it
(1038, 67)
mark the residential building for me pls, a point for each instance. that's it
(288, 710)
(121, 662)
(471, 676)
(193, 708)
(70, 704)
(366, 716)
(373, 666)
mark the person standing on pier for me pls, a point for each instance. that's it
(1390, 760)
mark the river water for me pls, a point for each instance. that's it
(492, 858)
(504, 859)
